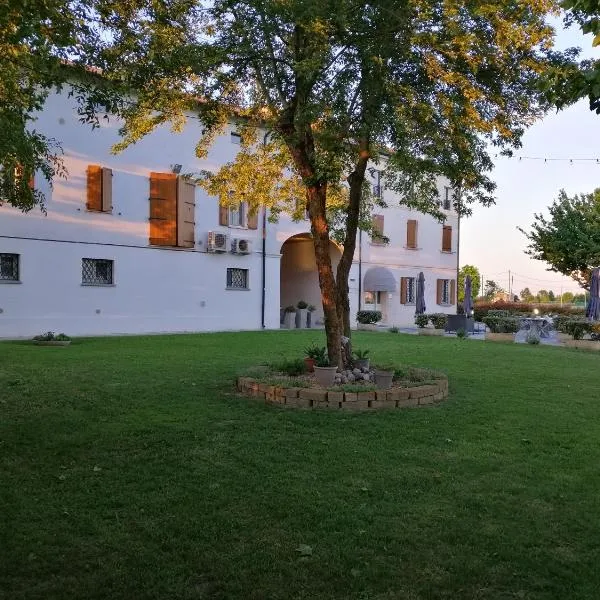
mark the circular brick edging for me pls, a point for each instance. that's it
(419, 395)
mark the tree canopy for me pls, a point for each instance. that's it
(569, 238)
(475, 281)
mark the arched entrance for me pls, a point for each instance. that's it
(299, 277)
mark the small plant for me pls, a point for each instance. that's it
(50, 336)
(394, 329)
(421, 321)
(361, 354)
(314, 351)
(320, 357)
(533, 339)
(292, 367)
(461, 333)
(290, 309)
(368, 317)
(302, 305)
(438, 320)
(311, 308)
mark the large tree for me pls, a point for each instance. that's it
(569, 239)
(434, 81)
(473, 271)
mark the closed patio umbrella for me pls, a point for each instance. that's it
(468, 303)
(592, 310)
(420, 307)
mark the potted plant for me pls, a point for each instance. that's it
(52, 339)
(384, 375)
(313, 353)
(324, 374)
(361, 361)
(310, 310)
(368, 319)
(301, 314)
(288, 316)
(421, 321)
(438, 320)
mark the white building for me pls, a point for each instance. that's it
(126, 246)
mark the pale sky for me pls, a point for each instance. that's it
(490, 239)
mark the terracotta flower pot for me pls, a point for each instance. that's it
(310, 364)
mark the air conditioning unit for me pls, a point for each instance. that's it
(241, 246)
(217, 242)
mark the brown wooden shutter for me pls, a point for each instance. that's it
(107, 189)
(440, 291)
(452, 291)
(223, 215)
(186, 209)
(253, 219)
(94, 187)
(411, 233)
(163, 209)
(378, 224)
(447, 238)
(403, 289)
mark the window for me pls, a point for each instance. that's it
(373, 298)
(408, 290)
(96, 271)
(378, 191)
(237, 279)
(411, 234)
(446, 238)
(237, 215)
(9, 267)
(447, 199)
(99, 189)
(446, 291)
(236, 138)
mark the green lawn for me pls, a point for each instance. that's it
(129, 469)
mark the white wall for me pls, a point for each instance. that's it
(163, 289)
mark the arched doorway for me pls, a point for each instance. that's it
(299, 278)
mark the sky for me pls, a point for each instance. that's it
(490, 239)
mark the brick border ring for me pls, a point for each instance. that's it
(418, 395)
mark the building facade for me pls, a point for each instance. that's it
(128, 246)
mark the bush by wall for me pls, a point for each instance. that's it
(368, 317)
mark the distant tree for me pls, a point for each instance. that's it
(579, 298)
(568, 297)
(491, 289)
(543, 296)
(475, 279)
(569, 240)
(551, 296)
(526, 295)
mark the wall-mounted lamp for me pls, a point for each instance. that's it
(176, 169)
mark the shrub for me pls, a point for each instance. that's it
(482, 309)
(421, 321)
(289, 309)
(301, 305)
(394, 329)
(292, 367)
(578, 328)
(367, 317)
(438, 320)
(311, 308)
(502, 324)
(461, 333)
(315, 351)
(50, 336)
(498, 313)
(361, 354)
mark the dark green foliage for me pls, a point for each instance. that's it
(302, 304)
(502, 324)
(368, 317)
(290, 366)
(50, 336)
(421, 320)
(482, 309)
(438, 320)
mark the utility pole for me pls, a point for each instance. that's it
(509, 286)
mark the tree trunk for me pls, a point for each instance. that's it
(355, 180)
(316, 199)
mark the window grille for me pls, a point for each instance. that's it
(410, 290)
(446, 291)
(447, 199)
(237, 216)
(9, 267)
(237, 279)
(95, 271)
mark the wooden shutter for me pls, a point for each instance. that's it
(107, 189)
(452, 291)
(253, 219)
(440, 291)
(378, 223)
(163, 209)
(186, 209)
(223, 215)
(403, 289)
(94, 187)
(447, 238)
(411, 233)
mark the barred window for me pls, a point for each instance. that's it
(9, 267)
(446, 291)
(96, 271)
(410, 290)
(237, 279)
(237, 215)
(447, 199)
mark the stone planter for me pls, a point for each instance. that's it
(289, 320)
(367, 327)
(52, 342)
(362, 363)
(429, 331)
(383, 379)
(583, 344)
(309, 315)
(309, 363)
(301, 318)
(500, 337)
(325, 376)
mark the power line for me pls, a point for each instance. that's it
(548, 159)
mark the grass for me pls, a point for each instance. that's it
(130, 470)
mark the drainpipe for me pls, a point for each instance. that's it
(458, 247)
(264, 256)
(360, 269)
